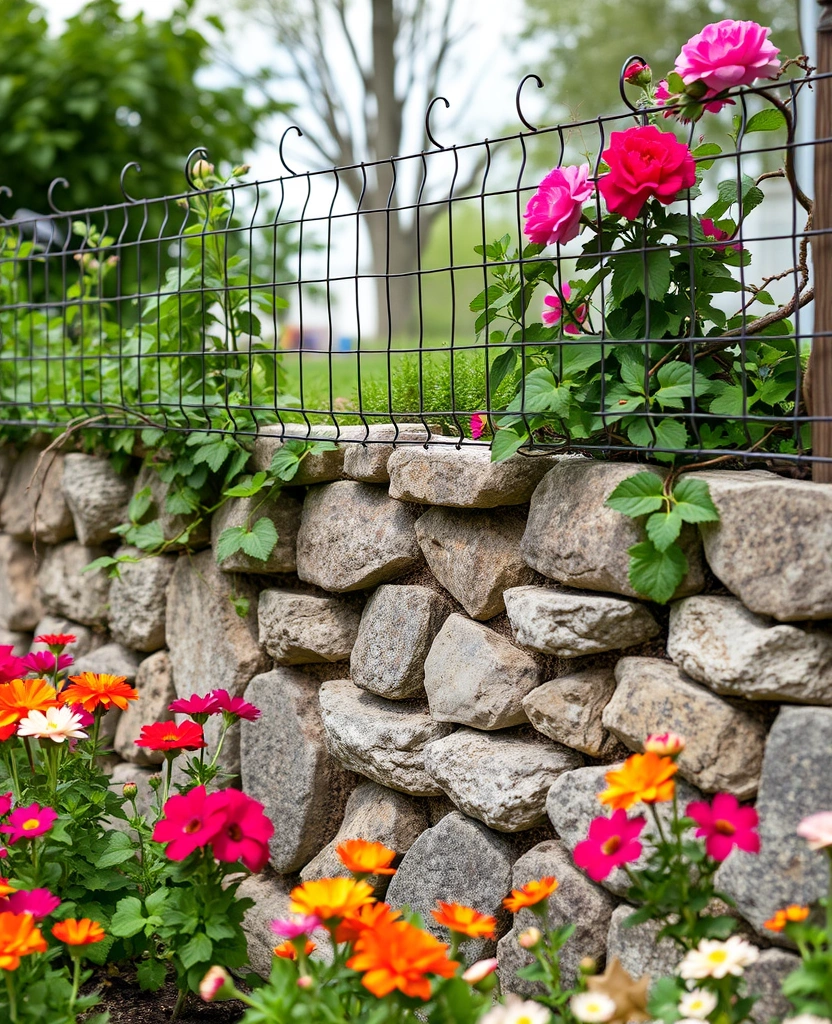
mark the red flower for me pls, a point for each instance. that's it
(710, 230)
(611, 842)
(197, 707)
(56, 639)
(43, 662)
(5, 804)
(644, 162)
(245, 832)
(170, 736)
(725, 824)
(236, 707)
(28, 822)
(10, 666)
(189, 822)
(38, 902)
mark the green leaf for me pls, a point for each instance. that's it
(128, 919)
(637, 495)
(768, 120)
(285, 463)
(139, 504)
(260, 540)
(240, 604)
(486, 298)
(693, 502)
(104, 562)
(669, 434)
(678, 381)
(656, 574)
(632, 269)
(198, 950)
(502, 366)
(318, 447)
(663, 528)
(214, 454)
(147, 536)
(247, 487)
(230, 541)
(151, 975)
(506, 442)
(248, 323)
(663, 1003)
(707, 149)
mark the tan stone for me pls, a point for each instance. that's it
(34, 500)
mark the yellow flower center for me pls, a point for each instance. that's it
(695, 1004)
(717, 956)
(30, 824)
(524, 1019)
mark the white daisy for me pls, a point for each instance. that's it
(697, 1004)
(715, 959)
(592, 1008)
(57, 724)
(517, 1011)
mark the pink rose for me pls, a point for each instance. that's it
(554, 211)
(635, 70)
(479, 425)
(644, 162)
(727, 54)
(553, 311)
(710, 230)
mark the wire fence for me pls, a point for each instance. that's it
(407, 291)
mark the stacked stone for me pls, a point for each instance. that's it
(449, 656)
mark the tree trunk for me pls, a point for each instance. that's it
(394, 264)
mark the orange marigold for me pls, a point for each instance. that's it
(18, 937)
(792, 913)
(98, 689)
(530, 894)
(465, 920)
(78, 932)
(330, 898)
(363, 858)
(20, 696)
(286, 950)
(645, 778)
(368, 916)
(397, 955)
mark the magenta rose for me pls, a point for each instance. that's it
(727, 54)
(554, 211)
(644, 162)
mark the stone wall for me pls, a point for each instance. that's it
(448, 655)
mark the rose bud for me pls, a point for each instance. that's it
(216, 985)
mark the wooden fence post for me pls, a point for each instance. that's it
(821, 359)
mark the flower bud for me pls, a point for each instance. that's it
(480, 970)
(183, 204)
(305, 981)
(529, 938)
(588, 966)
(130, 790)
(202, 169)
(238, 172)
(666, 744)
(155, 781)
(216, 985)
(638, 74)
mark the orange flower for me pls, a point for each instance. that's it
(82, 932)
(5, 888)
(363, 858)
(793, 913)
(530, 894)
(330, 898)
(20, 696)
(368, 916)
(18, 937)
(98, 689)
(645, 777)
(465, 920)
(397, 955)
(287, 950)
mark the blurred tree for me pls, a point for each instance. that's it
(105, 91)
(368, 70)
(581, 44)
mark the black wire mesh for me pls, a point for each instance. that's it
(353, 296)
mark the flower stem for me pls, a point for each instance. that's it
(76, 981)
(12, 996)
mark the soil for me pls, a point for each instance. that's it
(121, 995)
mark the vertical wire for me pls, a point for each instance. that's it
(489, 410)
(359, 339)
(451, 200)
(329, 219)
(420, 299)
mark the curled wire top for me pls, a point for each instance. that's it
(5, 191)
(286, 167)
(128, 167)
(525, 122)
(199, 151)
(56, 181)
(428, 132)
(634, 58)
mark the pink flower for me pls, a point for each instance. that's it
(478, 425)
(710, 230)
(553, 213)
(665, 744)
(235, 707)
(727, 54)
(39, 903)
(644, 162)
(189, 822)
(11, 667)
(29, 822)
(725, 824)
(84, 716)
(634, 70)
(43, 662)
(552, 315)
(5, 804)
(293, 929)
(245, 832)
(480, 970)
(611, 842)
(817, 830)
(216, 984)
(197, 707)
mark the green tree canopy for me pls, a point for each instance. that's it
(105, 91)
(583, 43)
